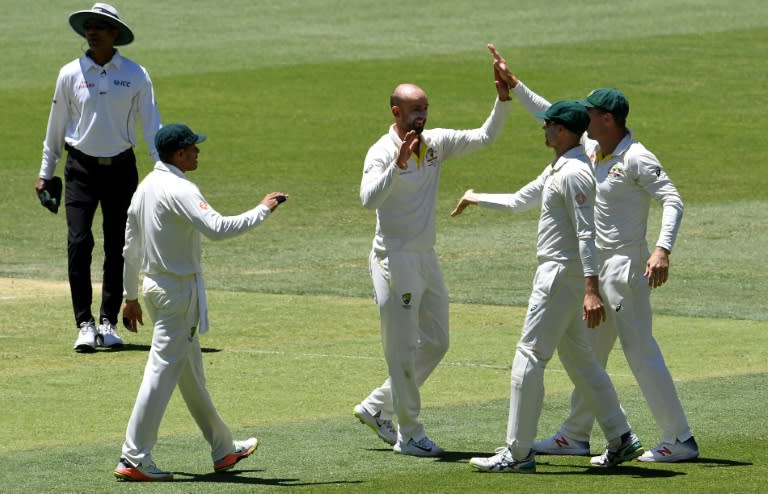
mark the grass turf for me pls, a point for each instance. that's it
(291, 95)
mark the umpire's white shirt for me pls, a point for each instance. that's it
(405, 200)
(95, 110)
(165, 219)
(566, 192)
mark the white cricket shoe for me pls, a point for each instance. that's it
(503, 462)
(629, 449)
(422, 447)
(669, 453)
(108, 336)
(384, 428)
(86, 338)
(560, 444)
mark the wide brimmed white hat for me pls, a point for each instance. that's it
(104, 12)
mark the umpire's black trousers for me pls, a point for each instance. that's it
(90, 181)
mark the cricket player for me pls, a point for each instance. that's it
(565, 302)
(162, 237)
(400, 181)
(628, 177)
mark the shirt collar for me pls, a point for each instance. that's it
(167, 167)
(89, 64)
(620, 149)
(576, 152)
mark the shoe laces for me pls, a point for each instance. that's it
(87, 327)
(107, 327)
(503, 454)
(387, 425)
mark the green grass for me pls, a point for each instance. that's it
(291, 94)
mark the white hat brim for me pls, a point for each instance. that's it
(77, 21)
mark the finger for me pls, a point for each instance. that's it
(459, 208)
(493, 51)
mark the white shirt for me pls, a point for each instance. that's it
(165, 219)
(95, 110)
(566, 192)
(626, 182)
(405, 200)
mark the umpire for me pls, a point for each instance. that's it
(98, 101)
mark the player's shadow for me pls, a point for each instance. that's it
(717, 462)
(133, 347)
(232, 477)
(625, 469)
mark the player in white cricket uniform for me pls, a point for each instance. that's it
(565, 301)
(400, 181)
(162, 237)
(628, 177)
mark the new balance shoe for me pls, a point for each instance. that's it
(243, 449)
(107, 335)
(422, 447)
(383, 428)
(629, 449)
(503, 462)
(86, 338)
(125, 470)
(668, 453)
(560, 444)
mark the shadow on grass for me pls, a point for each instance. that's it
(625, 469)
(132, 347)
(231, 477)
(716, 462)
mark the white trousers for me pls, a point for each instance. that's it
(413, 305)
(628, 305)
(174, 359)
(554, 321)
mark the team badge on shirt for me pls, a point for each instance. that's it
(580, 198)
(430, 156)
(616, 171)
(203, 206)
(406, 298)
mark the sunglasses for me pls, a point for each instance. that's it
(97, 25)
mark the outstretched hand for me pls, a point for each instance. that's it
(274, 199)
(501, 69)
(468, 198)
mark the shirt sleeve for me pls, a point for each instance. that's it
(149, 115)
(191, 205)
(379, 175)
(528, 197)
(648, 173)
(460, 142)
(580, 201)
(531, 101)
(132, 256)
(57, 126)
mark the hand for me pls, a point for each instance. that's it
(407, 148)
(274, 199)
(501, 69)
(40, 186)
(468, 198)
(657, 267)
(131, 315)
(594, 309)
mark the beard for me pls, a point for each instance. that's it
(415, 125)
